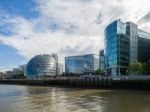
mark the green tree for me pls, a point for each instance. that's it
(136, 68)
(146, 67)
(99, 71)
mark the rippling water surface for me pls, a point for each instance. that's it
(53, 99)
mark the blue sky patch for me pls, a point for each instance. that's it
(9, 57)
(25, 8)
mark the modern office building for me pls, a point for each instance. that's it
(102, 60)
(81, 64)
(125, 43)
(42, 65)
(60, 69)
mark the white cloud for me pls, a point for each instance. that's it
(70, 27)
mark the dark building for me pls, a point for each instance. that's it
(101, 60)
(124, 44)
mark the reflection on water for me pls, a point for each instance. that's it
(50, 99)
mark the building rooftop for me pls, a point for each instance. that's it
(143, 34)
(81, 55)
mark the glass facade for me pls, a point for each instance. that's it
(143, 46)
(101, 60)
(42, 65)
(117, 48)
(123, 45)
(60, 69)
(81, 64)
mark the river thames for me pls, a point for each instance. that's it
(15, 98)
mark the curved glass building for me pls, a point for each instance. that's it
(42, 65)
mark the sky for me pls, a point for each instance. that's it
(65, 27)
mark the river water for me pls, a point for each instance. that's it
(15, 98)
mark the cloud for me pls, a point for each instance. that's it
(145, 18)
(68, 27)
(145, 21)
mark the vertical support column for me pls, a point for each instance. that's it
(133, 41)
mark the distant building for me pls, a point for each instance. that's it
(81, 64)
(102, 62)
(1, 75)
(17, 71)
(6, 75)
(22, 67)
(60, 69)
(125, 43)
(42, 65)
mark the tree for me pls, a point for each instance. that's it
(136, 68)
(146, 67)
(99, 71)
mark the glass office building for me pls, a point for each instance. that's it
(42, 65)
(102, 60)
(143, 46)
(81, 64)
(124, 44)
(60, 69)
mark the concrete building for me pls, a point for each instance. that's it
(125, 43)
(81, 64)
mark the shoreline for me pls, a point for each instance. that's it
(85, 84)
